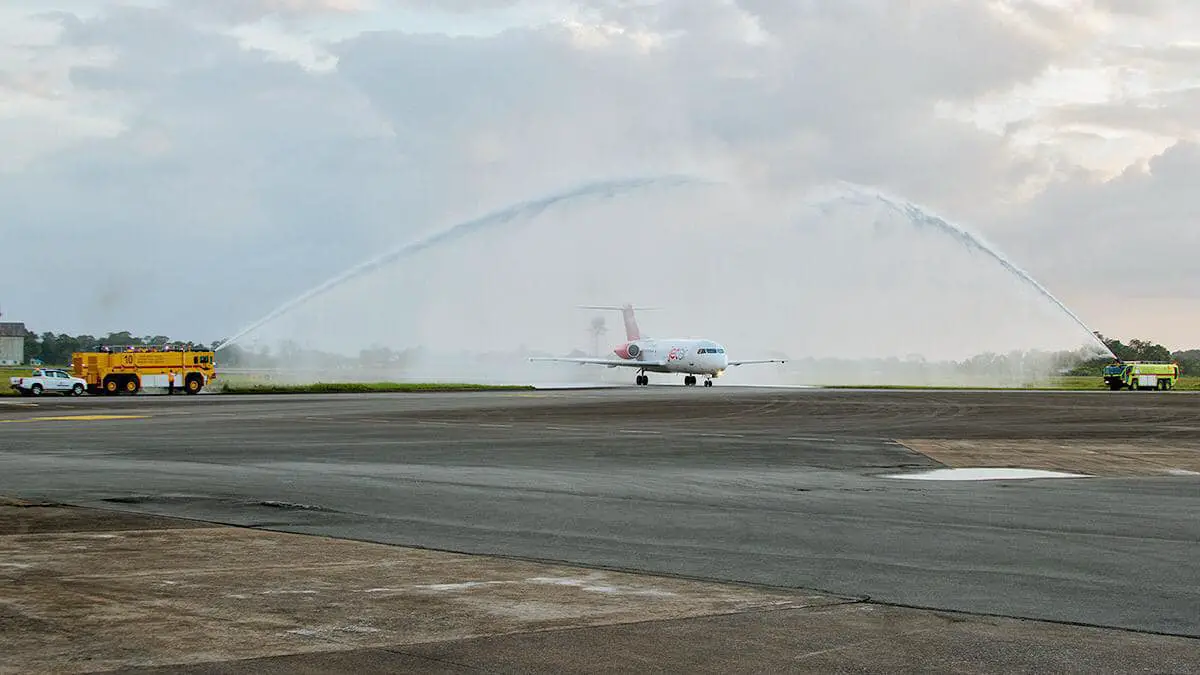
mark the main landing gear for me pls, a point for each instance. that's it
(688, 380)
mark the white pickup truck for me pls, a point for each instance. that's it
(48, 380)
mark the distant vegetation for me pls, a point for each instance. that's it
(56, 349)
(1012, 369)
(1141, 350)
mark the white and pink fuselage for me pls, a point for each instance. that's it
(688, 356)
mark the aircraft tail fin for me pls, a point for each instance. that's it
(632, 331)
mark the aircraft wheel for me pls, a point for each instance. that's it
(193, 384)
(708, 383)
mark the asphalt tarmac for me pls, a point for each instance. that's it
(786, 488)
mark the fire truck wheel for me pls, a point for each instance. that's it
(131, 385)
(111, 386)
(192, 386)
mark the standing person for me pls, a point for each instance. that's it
(170, 382)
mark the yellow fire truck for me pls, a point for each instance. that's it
(1141, 375)
(113, 370)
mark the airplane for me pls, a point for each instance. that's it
(691, 357)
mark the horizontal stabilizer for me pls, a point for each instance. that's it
(628, 311)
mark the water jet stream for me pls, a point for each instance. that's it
(919, 216)
(529, 209)
(831, 204)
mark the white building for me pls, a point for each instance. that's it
(12, 344)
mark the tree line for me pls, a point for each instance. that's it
(56, 349)
(1141, 350)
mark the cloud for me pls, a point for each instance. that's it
(1121, 249)
(1166, 114)
(1099, 226)
(241, 11)
(253, 172)
(278, 151)
(40, 109)
(1140, 8)
(456, 6)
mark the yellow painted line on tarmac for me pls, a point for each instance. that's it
(76, 418)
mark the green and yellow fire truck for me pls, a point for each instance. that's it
(1141, 375)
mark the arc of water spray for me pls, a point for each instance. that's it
(602, 189)
(919, 216)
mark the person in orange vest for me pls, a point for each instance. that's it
(170, 382)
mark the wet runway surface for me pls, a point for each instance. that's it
(781, 487)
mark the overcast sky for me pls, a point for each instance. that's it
(183, 166)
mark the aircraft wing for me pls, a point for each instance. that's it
(744, 362)
(611, 363)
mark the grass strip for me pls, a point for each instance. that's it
(364, 388)
(1057, 384)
